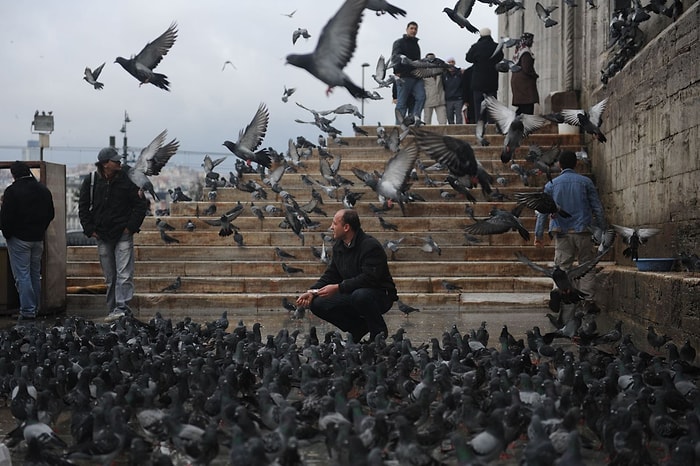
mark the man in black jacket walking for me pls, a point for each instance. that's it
(407, 85)
(484, 73)
(27, 210)
(357, 288)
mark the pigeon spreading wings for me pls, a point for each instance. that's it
(500, 221)
(151, 161)
(141, 66)
(250, 138)
(514, 127)
(589, 120)
(457, 155)
(393, 183)
(335, 48)
(460, 13)
(91, 76)
(541, 202)
(633, 238)
(545, 14)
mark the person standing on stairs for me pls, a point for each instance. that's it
(577, 195)
(111, 210)
(356, 289)
(484, 75)
(523, 83)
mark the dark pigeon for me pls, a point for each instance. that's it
(141, 66)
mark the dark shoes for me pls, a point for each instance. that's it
(26, 318)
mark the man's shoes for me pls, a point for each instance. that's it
(114, 315)
(26, 318)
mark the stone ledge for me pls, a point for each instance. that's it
(668, 300)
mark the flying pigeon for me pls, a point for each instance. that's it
(289, 15)
(514, 127)
(141, 66)
(460, 13)
(456, 154)
(541, 202)
(300, 32)
(589, 120)
(92, 76)
(151, 161)
(288, 92)
(382, 6)
(250, 139)
(633, 238)
(335, 48)
(393, 184)
(544, 13)
(500, 221)
(228, 62)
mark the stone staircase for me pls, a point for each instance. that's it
(217, 274)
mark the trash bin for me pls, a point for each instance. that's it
(53, 264)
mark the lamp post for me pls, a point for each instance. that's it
(42, 125)
(123, 130)
(362, 120)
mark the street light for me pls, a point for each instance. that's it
(362, 120)
(123, 130)
(42, 125)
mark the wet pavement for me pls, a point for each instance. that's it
(419, 327)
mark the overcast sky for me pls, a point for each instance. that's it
(46, 45)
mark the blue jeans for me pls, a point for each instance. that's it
(405, 87)
(117, 261)
(358, 312)
(25, 261)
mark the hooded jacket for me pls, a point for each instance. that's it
(27, 209)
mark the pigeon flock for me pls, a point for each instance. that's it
(174, 393)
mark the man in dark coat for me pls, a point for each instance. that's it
(111, 210)
(27, 210)
(357, 288)
(484, 73)
(407, 85)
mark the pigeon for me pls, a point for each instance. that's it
(500, 221)
(655, 340)
(456, 154)
(250, 139)
(460, 13)
(405, 308)
(300, 32)
(386, 225)
(514, 127)
(382, 6)
(450, 286)
(151, 161)
(505, 66)
(291, 270)
(209, 166)
(564, 279)
(358, 131)
(167, 239)
(141, 66)
(393, 246)
(173, 287)
(289, 15)
(541, 202)
(189, 225)
(345, 109)
(163, 225)
(228, 62)
(287, 93)
(544, 13)
(282, 254)
(429, 245)
(176, 195)
(602, 237)
(91, 76)
(545, 160)
(393, 184)
(379, 75)
(633, 238)
(589, 120)
(335, 48)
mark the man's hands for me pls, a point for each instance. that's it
(309, 295)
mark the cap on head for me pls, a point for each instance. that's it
(19, 169)
(108, 153)
(485, 32)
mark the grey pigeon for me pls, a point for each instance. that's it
(358, 131)
(335, 48)
(541, 202)
(393, 246)
(291, 270)
(633, 238)
(287, 93)
(141, 66)
(589, 120)
(500, 221)
(190, 225)
(387, 225)
(382, 6)
(250, 138)
(300, 32)
(228, 62)
(545, 14)
(450, 286)
(514, 127)
(429, 245)
(173, 287)
(91, 76)
(167, 239)
(460, 13)
(405, 308)
(393, 184)
(151, 161)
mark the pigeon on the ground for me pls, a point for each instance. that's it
(358, 131)
(167, 239)
(173, 287)
(151, 161)
(176, 195)
(633, 238)
(141, 66)
(291, 270)
(393, 246)
(429, 245)
(91, 76)
(190, 225)
(335, 48)
(450, 286)
(514, 127)
(387, 225)
(250, 138)
(405, 308)
(460, 13)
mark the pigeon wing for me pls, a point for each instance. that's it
(542, 12)
(148, 152)
(456, 155)
(595, 114)
(398, 168)
(380, 71)
(154, 51)
(489, 226)
(646, 233)
(464, 7)
(532, 123)
(625, 232)
(582, 269)
(503, 115)
(96, 72)
(161, 157)
(570, 116)
(338, 39)
(252, 136)
(534, 266)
